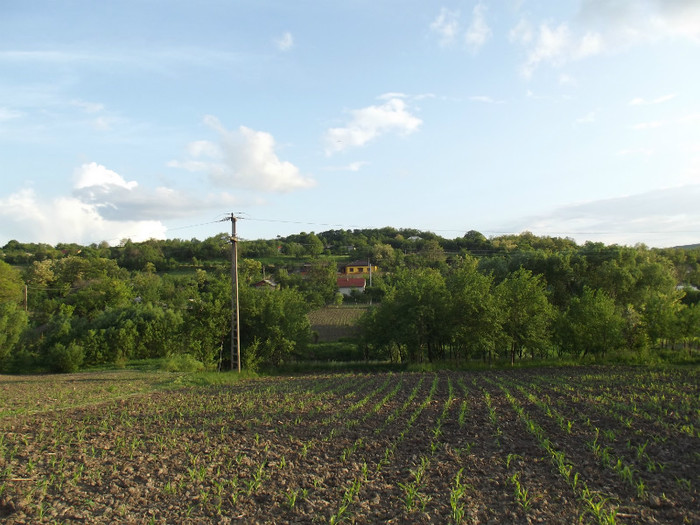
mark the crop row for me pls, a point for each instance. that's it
(444, 447)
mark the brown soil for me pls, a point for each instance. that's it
(384, 448)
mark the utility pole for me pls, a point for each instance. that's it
(235, 319)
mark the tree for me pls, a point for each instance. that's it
(13, 322)
(10, 284)
(274, 324)
(595, 323)
(412, 315)
(320, 284)
(314, 245)
(475, 313)
(208, 319)
(660, 314)
(689, 325)
(528, 313)
(432, 253)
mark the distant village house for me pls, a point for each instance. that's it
(346, 285)
(358, 268)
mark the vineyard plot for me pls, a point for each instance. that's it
(556, 446)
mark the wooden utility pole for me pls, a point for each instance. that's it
(235, 319)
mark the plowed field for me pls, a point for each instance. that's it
(547, 446)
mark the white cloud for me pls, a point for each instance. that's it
(371, 122)
(588, 118)
(285, 42)
(663, 217)
(590, 44)
(648, 125)
(551, 44)
(567, 80)
(88, 107)
(522, 33)
(645, 152)
(634, 21)
(485, 99)
(103, 206)
(9, 114)
(602, 26)
(353, 166)
(243, 158)
(478, 31)
(446, 26)
(68, 219)
(109, 195)
(93, 175)
(639, 101)
(392, 94)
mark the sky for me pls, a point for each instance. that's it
(138, 119)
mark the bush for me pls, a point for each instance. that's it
(331, 351)
(252, 358)
(182, 363)
(66, 359)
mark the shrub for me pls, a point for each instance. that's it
(66, 359)
(182, 363)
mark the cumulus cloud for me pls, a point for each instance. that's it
(446, 26)
(93, 175)
(103, 205)
(660, 218)
(369, 123)
(242, 159)
(285, 42)
(478, 31)
(69, 219)
(113, 198)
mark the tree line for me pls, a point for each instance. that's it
(510, 297)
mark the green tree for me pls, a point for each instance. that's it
(11, 284)
(476, 315)
(689, 326)
(208, 319)
(13, 321)
(273, 324)
(528, 313)
(660, 314)
(320, 284)
(413, 313)
(595, 324)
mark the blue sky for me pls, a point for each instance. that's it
(156, 118)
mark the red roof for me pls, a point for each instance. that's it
(351, 282)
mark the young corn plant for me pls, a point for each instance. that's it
(521, 493)
(457, 492)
